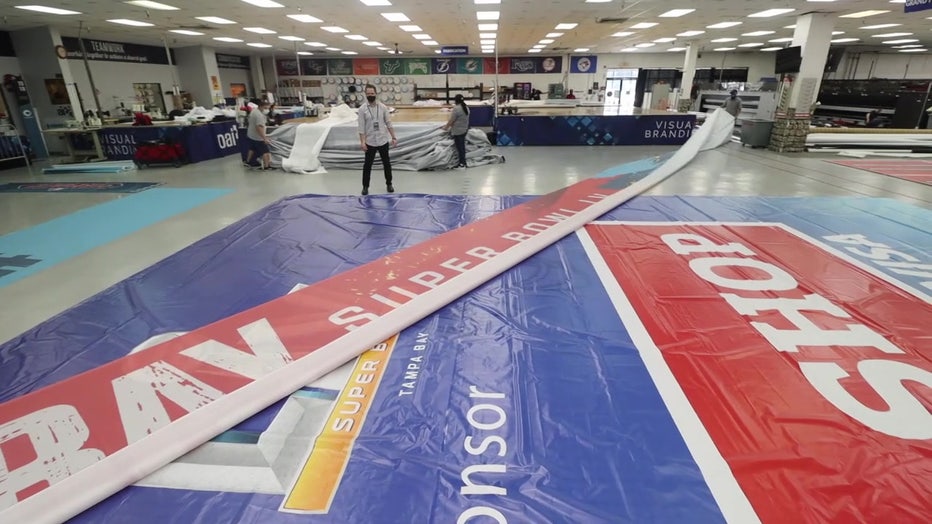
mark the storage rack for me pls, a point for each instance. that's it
(446, 93)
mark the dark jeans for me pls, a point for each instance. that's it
(370, 158)
(460, 141)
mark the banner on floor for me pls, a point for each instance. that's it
(595, 130)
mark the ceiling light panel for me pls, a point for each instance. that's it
(396, 17)
(410, 28)
(307, 19)
(769, 49)
(644, 25)
(843, 40)
(676, 49)
(375, 3)
(758, 33)
(488, 35)
(264, 3)
(880, 26)
(891, 35)
(315, 44)
(752, 44)
(665, 40)
(259, 30)
(771, 13)
(902, 41)
(690, 33)
(186, 32)
(372, 44)
(292, 38)
(621, 34)
(134, 23)
(215, 20)
(675, 13)
(482, 27)
(152, 5)
(334, 29)
(722, 49)
(258, 44)
(546, 41)
(865, 14)
(429, 42)
(47, 10)
(421, 37)
(723, 40)
(486, 15)
(358, 38)
(723, 25)
(227, 39)
(581, 50)
(565, 26)
(479, 2)
(553, 35)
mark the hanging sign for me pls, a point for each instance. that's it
(106, 51)
(454, 50)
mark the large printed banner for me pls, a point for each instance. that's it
(426, 66)
(107, 51)
(679, 361)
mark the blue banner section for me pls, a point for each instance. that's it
(442, 66)
(525, 399)
(55, 241)
(201, 142)
(584, 64)
(621, 130)
(454, 50)
(913, 6)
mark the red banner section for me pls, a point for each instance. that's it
(365, 66)
(811, 374)
(51, 434)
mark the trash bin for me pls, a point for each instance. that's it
(755, 132)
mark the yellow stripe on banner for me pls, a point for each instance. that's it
(320, 477)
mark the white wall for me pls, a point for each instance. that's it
(891, 66)
(236, 76)
(114, 81)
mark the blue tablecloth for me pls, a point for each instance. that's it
(201, 142)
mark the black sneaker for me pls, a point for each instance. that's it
(391, 188)
(365, 191)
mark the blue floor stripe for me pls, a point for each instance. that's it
(40, 247)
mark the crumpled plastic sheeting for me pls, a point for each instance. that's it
(588, 438)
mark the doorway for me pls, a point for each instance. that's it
(620, 89)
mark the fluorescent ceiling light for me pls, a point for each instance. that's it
(258, 44)
(789, 26)
(263, 3)
(565, 26)
(421, 37)
(486, 15)
(484, 50)
(215, 20)
(598, 1)
(152, 5)
(581, 50)
(623, 33)
(865, 14)
(645, 44)
(333, 49)
(227, 39)
(902, 41)
(307, 19)
(186, 32)
(778, 40)
(665, 40)
(410, 28)
(305, 53)
(396, 17)
(47, 10)
(315, 44)
(488, 1)
(546, 41)
(723, 25)
(292, 38)
(487, 42)
(350, 53)
(482, 27)
(553, 35)
(260, 30)
(722, 40)
(690, 33)
(768, 49)
(844, 40)
(907, 46)
(629, 50)
(134, 23)
(488, 35)
(724, 49)
(913, 50)
(676, 49)
(429, 42)
(538, 46)
(644, 25)
(897, 1)
(758, 33)
(383, 48)
(771, 13)
(837, 33)
(674, 13)
(879, 26)
(820, 0)
(372, 44)
(533, 50)
(374, 3)
(751, 44)
(891, 35)
(358, 38)
(334, 29)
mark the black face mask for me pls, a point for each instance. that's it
(370, 98)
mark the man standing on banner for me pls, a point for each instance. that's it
(375, 130)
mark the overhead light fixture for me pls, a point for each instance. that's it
(598, 1)
(844, 40)
(263, 3)
(334, 29)
(186, 32)
(865, 14)
(486, 15)
(315, 44)
(913, 50)
(769, 49)
(778, 40)
(484, 51)
(758, 33)
(645, 44)
(565, 26)
(690, 33)
(482, 27)
(771, 13)
(227, 39)
(383, 48)
(621, 34)
(487, 42)
(724, 49)
(533, 50)
(676, 49)
(538, 46)
(835, 33)
(305, 53)
(375, 3)
(358, 38)
(675, 13)
(897, 1)
(429, 42)
(488, 35)
(907, 46)
(152, 5)
(553, 35)
(820, 0)
(292, 38)
(258, 44)
(487, 2)
(751, 44)
(723, 40)
(215, 20)
(421, 37)
(581, 50)
(880, 26)
(126, 21)
(629, 50)
(372, 44)
(902, 41)
(259, 30)
(665, 40)
(644, 25)
(410, 28)
(723, 25)
(546, 41)
(307, 19)
(333, 49)
(350, 53)
(47, 10)
(891, 35)
(789, 26)
(396, 17)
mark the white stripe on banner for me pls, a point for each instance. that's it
(103, 430)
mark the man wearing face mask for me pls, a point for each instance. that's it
(375, 130)
(258, 140)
